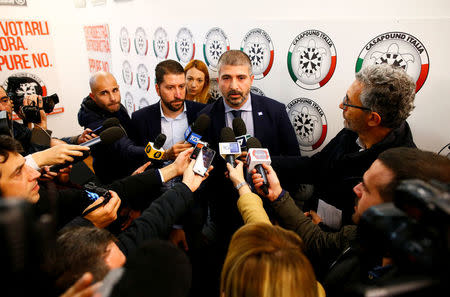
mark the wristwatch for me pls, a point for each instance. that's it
(241, 185)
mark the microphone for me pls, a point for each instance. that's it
(153, 150)
(229, 149)
(195, 132)
(111, 122)
(255, 158)
(240, 130)
(107, 137)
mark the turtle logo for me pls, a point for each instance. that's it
(216, 43)
(129, 103)
(311, 59)
(127, 73)
(141, 42)
(309, 122)
(161, 44)
(399, 49)
(142, 78)
(143, 103)
(445, 151)
(257, 44)
(30, 84)
(124, 40)
(257, 91)
(214, 90)
(185, 45)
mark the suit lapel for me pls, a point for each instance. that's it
(218, 120)
(154, 119)
(258, 117)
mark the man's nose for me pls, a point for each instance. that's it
(341, 106)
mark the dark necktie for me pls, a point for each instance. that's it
(236, 113)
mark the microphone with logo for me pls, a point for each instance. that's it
(255, 158)
(240, 130)
(229, 149)
(195, 131)
(107, 137)
(154, 150)
(111, 122)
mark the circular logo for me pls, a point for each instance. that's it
(127, 73)
(20, 2)
(399, 49)
(30, 84)
(256, 91)
(214, 90)
(142, 77)
(185, 45)
(143, 103)
(309, 121)
(216, 43)
(161, 43)
(311, 59)
(445, 151)
(129, 103)
(141, 42)
(124, 40)
(257, 44)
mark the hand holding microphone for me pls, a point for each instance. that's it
(257, 157)
(274, 188)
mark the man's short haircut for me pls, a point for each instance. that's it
(167, 67)
(411, 163)
(235, 58)
(8, 145)
(79, 250)
(389, 91)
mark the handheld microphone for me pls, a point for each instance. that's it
(240, 130)
(229, 149)
(153, 150)
(107, 137)
(195, 132)
(255, 158)
(111, 122)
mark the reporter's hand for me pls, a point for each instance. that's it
(83, 287)
(141, 168)
(85, 136)
(314, 216)
(236, 174)
(193, 180)
(178, 237)
(175, 150)
(105, 214)
(272, 179)
(58, 154)
(243, 157)
(182, 161)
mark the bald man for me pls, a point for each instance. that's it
(103, 102)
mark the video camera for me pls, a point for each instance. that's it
(29, 112)
(414, 231)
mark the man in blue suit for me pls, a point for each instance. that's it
(265, 119)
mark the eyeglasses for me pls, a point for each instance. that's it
(345, 104)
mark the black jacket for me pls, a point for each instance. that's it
(336, 169)
(108, 166)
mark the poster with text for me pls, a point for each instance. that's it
(26, 52)
(98, 47)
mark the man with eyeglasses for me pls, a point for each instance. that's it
(375, 109)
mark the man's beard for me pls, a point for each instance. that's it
(171, 105)
(234, 102)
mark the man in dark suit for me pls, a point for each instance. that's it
(265, 119)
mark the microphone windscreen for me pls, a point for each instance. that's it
(239, 127)
(201, 124)
(253, 142)
(159, 141)
(227, 135)
(111, 122)
(111, 135)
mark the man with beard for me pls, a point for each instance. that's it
(375, 109)
(171, 116)
(103, 102)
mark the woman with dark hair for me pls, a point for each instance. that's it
(197, 81)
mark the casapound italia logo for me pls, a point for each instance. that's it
(258, 45)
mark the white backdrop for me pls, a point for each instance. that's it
(350, 26)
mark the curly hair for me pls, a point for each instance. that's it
(389, 91)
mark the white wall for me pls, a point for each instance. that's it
(351, 24)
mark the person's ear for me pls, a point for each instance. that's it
(374, 119)
(157, 90)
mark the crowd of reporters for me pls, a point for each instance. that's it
(148, 220)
